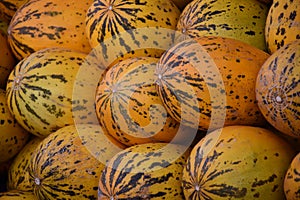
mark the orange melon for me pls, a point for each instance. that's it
(291, 181)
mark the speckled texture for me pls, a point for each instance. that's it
(12, 136)
(128, 106)
(291, 180)
(202, 80)
(39, 89)
(278, 89)
(17, 195)
(239, 19)
(237, 162)
(40, 24)
(146, 171)
(282, 24)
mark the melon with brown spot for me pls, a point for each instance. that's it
(282, 24)
(9, 7)
(291, 181)
(7, 60)
(236, 162)
(40, 24)
(12, 136)
(18, 174)
(125, 28)
(278, 89)
(17, 195)
(39, 89)
(128, 106)
(67, 164)
(145, 171)
(238, 19)
(210, 80)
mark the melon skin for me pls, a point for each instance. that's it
(68, 163)
(277, 89)
(40, 24)
(208, 82)
(282, 24)
(39, 89)
(144, 171)
(9, 7)
(243, 20)
(236, 162)
(13, 137)
(17, 195)
(291, 180)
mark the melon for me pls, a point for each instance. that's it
(13, 137)
(17, 195)
(18, 174)
(7, 60)
(145, 171)
(40, 24)
(291, 181)
(122, 29)
(243, 20)
(278, 89)
(237, 162)
(282, 24)
(208, 82)
(39, 89)
(129, 108)
(9, 7)
(67, 164)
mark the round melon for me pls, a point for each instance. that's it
(278, 89)
(18, 174)
(145, 171)
(67, 164)
(12, 136)
(291, 181)
(127, 28)
(128, 106)
(39, 89)
(282, 24)
(40, 24)
(237, 162)
(209, 81)
(17, 195)
(238, 19)
(7, 60)
(9, 7)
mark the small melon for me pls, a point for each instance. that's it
(145, 171)
(291, 181)
(282, 24)
(278, 89)
(237, 162)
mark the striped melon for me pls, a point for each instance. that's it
(18, 174)
(291, 181)
(121, 27)
(39, 89)
(9, 7)
(67, 164)
(282, 24)
(145, 171)
(128, 106)
(7, 60)
(238, 19)
(17, 195)
(278, 89)
(210, 81)
(40, 24)
(12, 136)
(237, 162)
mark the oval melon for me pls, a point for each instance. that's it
(40, 24)
(68, 163)
(237, 162)
(209, 81)
(145, 171)
(278, 89)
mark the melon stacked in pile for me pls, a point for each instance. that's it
(157, 99)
